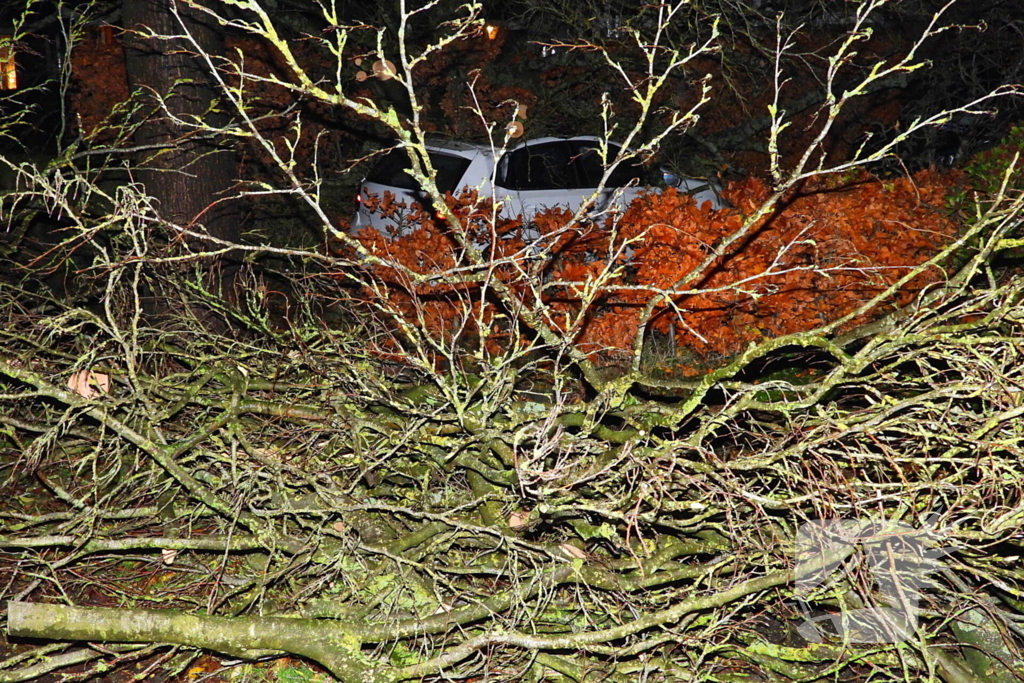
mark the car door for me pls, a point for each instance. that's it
(623, 184)
(539, 175)
(391, 175)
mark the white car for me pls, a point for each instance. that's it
(528, 178)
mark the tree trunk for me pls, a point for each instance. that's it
(329, 642)
(192, 180)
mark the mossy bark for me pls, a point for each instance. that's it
(328, 642)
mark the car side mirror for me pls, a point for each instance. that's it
(703, 189)
(671, 179)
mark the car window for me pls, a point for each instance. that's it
(587, 159)
(539, 167)
(393, 170)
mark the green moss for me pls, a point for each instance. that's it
(987, 170)
(296, 674)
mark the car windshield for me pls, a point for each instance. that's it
(393, 170)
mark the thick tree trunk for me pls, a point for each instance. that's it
(191, 180)
(329, 642)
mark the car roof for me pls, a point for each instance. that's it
(476, 153)
(466, 149)
(540, 141)
(469, 148)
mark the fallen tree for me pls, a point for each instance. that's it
(338, 478)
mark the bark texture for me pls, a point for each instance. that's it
(328, 642)
(189, 176)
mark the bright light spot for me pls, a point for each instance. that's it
(8, 70)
